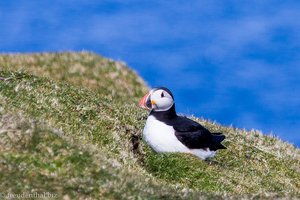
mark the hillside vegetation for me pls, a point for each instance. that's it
(70, 126)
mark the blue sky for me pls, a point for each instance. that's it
(229, 61)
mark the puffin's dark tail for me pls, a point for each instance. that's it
(217, 138)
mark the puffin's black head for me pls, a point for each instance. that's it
(157, 99)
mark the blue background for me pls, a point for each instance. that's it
(233, 62)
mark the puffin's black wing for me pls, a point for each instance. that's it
(195, 136)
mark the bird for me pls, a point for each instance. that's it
(167, 132)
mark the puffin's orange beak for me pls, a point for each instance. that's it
(145, 102)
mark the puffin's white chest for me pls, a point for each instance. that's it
(161, 137)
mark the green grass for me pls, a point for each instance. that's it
(70, 125)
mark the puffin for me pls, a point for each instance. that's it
(167, 132)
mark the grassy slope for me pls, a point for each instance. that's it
(69, 124)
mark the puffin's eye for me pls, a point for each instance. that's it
(162, 95)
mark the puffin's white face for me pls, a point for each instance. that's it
(161, 100)
(157, 99)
